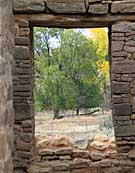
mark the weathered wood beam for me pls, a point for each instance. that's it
(73, 21)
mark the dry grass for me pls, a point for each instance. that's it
(77, 126)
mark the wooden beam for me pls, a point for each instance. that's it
(73, 21)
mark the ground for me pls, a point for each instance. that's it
(75, 126)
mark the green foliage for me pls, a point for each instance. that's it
(66, 70)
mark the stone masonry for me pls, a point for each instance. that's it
(123, 85)
(6, 99)
(119, 16)
(23, 96)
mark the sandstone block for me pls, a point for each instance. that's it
(98, 9)
(122, 27)
(129, 49)
(26, 137)
(22, 112)
(79, 165)
(61, 167)
(27, 124)
(24, 41)
(81, 154)
(65, 157)
(123, 6)
(120, 87)
(122, 118)
(22, 53)
(32, 6)
(122, 109)
(46, 152)
(65, 6)
(117, 46)
(123, 67)
(125, 130)
(96, 156)
(64, 151)
(61, 141)
(121, 98)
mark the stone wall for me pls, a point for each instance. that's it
(23, 97)
(99, 7)
(123, 85)
(119, 16)
(6, 105)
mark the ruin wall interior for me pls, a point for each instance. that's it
(119, 16)
(6, 87)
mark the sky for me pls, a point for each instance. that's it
(86, 32)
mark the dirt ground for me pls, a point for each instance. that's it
(76, 126)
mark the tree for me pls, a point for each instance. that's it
(103, 62)
(66, 73)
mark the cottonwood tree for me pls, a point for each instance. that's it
(66, 70)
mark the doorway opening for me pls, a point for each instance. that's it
(72, 93)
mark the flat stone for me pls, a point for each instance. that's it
(66, 6)
(121, 27)
(119, 54)
(34, 168)
(123, 67)
(22, 41)
(122, 109)
(120, 87)
(23, 146)
(49, 158)
(79, 165)
(131, 154)
(65, 157)
(26, 137)
(95, 156)
(98, 145)
(24, 154)
(29, 6)
(117, 46)
(125, 130)
(61, 167)
(22, 53)
(123, 6)
(129, 49)
(98, 9)
(42, 144)
(122, 118)
(61, 141)
(81, 144)
(22, 112)
(27, 123)
(81, 154)
(64, 151)
(46, 152)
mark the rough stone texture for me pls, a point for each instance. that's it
(125, 6)
(23, 95)
(6, 99)
(103, 166)
(71, 14)
(29, 6)
(123, 77)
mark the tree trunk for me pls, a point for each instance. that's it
(56, 114)
(77, 111)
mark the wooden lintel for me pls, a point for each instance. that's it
(73, 21)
